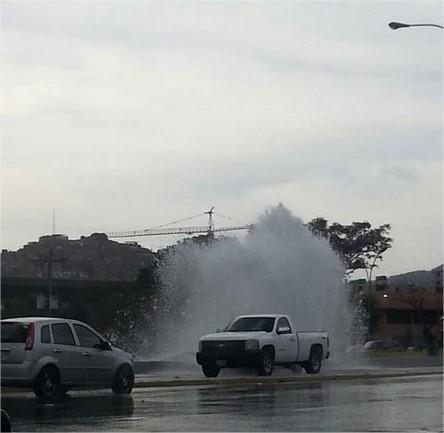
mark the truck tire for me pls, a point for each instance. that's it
(265, 363)
(210, 370)
(313, 365)
(47, 384)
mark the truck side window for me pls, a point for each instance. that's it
(284, 326)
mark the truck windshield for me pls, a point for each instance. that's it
(250, 324)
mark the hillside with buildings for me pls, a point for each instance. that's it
(92, 257)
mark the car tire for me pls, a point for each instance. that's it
(123, 380)
(314, 363)
(46, 386)
(265, 363)
(210, 370)
(6, 422)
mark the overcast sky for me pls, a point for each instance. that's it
(124, 115)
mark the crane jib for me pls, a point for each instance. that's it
(176, 230)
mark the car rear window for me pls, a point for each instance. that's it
(13, 332)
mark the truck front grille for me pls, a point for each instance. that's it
(225, 348)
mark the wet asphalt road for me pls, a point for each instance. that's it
(402, 404)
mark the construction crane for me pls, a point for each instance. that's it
(163, 230)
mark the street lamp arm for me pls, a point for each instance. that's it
(427, 25)
(395, 25)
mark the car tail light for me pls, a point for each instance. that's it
(29, 342)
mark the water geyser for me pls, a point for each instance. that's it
(280, 267)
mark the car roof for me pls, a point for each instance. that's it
(273, 316)
(38, 319)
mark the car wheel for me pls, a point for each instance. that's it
(123, 380)
(47, 384)
(266, 364)
(210, 370)
(313, 365)
(6, 422)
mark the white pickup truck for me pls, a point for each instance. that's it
(262, 341)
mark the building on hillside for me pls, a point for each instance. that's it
(92, 257)
(438, 278)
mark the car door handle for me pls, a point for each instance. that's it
(292, 339)
(6, 349)
(57, 350)
(86, 354)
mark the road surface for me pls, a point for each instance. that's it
(411, 403)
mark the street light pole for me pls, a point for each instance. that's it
(394, 25)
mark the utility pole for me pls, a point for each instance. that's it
(49, 279)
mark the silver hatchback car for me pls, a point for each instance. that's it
(52, 355)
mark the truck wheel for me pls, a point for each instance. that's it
(313, 365)
(47, 384)
(210, 370)
(265, 365)
(123, 380)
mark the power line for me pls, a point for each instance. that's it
(228, 218)
(176, 222)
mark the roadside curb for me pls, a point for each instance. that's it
(141, 383)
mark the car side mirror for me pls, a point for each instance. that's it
(104, 345)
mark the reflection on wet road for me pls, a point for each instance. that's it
(408, 404)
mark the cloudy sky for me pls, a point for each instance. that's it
(124, 115)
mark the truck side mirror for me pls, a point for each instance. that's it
(283, 330)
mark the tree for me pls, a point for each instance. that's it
(358, 245)
(132, 324)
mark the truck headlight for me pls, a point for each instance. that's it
(252, 345)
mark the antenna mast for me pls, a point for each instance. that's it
(53, 222)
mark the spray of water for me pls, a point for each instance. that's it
(278, 268)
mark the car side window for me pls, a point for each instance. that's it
(45, 337)
(284, 324)
(62, 334)
(87, 338)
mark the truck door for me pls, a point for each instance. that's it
(286, 342)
